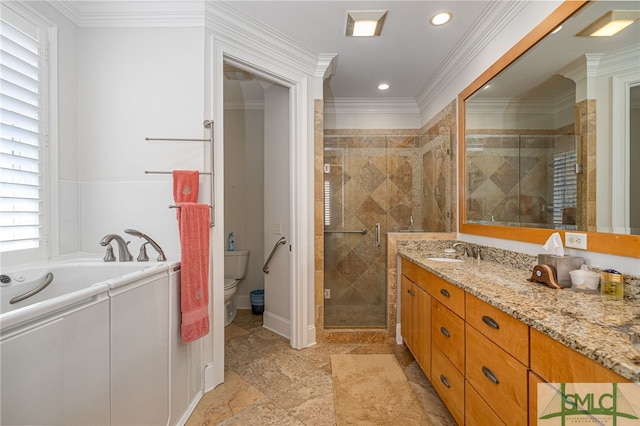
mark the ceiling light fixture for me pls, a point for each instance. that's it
(611, 23)
(440, 18)
(365, 23)
(383, 86)
(558, 28)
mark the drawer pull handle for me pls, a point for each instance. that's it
(444, 381)
(490, 375)
(490, 322)
(444, 292)
(445, 332)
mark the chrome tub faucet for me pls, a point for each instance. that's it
(124, 255)
(141, 257)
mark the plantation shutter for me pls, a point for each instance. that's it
(22, 77)
(565, 185)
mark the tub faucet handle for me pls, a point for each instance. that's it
(109, 256)
(124, 255)
(136, 233)
(143, 256)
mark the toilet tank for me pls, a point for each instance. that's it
(236, 263)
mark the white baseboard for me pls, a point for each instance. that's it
(398, 334)
(277, 324)
(311, 335)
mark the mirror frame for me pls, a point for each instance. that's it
(615, 244)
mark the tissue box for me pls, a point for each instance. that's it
(562, 265)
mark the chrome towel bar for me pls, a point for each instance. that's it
(208, 124)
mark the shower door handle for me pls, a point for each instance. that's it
(377, 234)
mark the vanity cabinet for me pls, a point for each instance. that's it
(485, 364)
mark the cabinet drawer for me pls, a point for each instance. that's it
(476, 411)
(507, 332)
(448, 294)
(447, 333)
(449, 383)
(415, 273)
(557, 363)
(499, 378)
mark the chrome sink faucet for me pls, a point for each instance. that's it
(124, 255)
(161, 255)
(469, 250)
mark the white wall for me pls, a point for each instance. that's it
(243, 192)
(137, 83)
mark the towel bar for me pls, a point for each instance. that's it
(171, 206)
(209, 125)
(160, 172)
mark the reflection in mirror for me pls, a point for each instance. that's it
(548, 135)
(521, 157)
(634, 151)
(542, 150)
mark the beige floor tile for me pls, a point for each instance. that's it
(269, 383)
(232, 397)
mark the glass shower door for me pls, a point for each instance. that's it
(355, 211)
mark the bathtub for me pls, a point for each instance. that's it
(85, 348)
(73, 282)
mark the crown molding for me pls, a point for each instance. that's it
(233, 28)
(517, 107)
(490, 22)
(620, 61)
(371, 106)
(132, 14)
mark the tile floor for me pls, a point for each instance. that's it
(269, 383)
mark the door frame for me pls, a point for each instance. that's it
(300, 192)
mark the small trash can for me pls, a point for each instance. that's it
(256, 297)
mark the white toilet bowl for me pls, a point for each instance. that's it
(235, 269)
(230, 289)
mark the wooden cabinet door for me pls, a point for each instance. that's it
(406, 311)
(422, 329)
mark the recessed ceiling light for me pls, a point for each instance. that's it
(383, 86)
(558, 28)
(611, 23)
(440, 18)
(365, 23)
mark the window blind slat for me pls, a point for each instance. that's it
(22, 90)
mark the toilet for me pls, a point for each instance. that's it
(235, 269)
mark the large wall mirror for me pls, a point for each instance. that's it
(549, 134)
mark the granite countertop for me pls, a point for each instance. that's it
(605, 330)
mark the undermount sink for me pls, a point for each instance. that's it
(445, 259)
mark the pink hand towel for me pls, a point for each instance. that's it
(193, 225)
(185, 186)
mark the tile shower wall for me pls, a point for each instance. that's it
(387, 177)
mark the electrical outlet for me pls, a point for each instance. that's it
(327, 293)
(575, 240)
